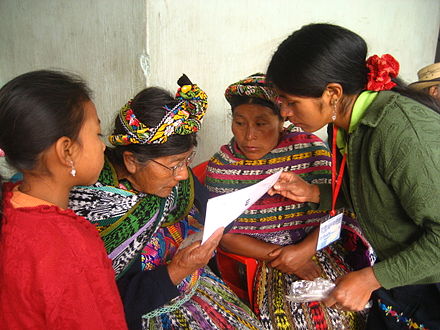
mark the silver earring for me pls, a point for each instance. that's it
(73, 170)
(334, 103)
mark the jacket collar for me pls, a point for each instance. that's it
(378, 108)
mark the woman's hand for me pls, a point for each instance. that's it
(293, 187)
(248, 246)
(353, 290)
(293, 259)
(193, 257)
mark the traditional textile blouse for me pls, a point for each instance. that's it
(300, 152)
(126, 219)
(142, 233)
(279, 220)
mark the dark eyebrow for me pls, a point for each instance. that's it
(265, 116)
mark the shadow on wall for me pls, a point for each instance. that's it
(437, 52)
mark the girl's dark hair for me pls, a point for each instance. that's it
(237, 100)
(36, 109)
(319, 54)
(148, 107)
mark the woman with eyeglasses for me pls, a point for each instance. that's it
(145, 204)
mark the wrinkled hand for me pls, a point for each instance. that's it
(193, 257)
(353, 290)
(293, 259)
(293, 187)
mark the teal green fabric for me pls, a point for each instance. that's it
(394, 179)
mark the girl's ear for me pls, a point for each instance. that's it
(65, 150)
(130, 162)
(332, 93)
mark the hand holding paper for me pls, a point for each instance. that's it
(192, 257)
(292, 186)
(224, 209)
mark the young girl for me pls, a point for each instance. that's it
(54, 272)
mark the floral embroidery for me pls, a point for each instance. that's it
(400, 317)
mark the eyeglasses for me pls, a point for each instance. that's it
(176, 168)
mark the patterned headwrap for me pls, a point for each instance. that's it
(184, 118)
(252, 86)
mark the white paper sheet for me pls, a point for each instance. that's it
(224, 209)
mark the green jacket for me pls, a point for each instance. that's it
(394, 188)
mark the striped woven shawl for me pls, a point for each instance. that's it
(273, 219)
(127, 219)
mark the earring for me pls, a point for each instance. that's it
(334, 103)
(73, 170)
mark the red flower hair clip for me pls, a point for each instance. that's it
(381, 70)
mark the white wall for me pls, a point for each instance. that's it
(219, 42)
(216, 42)
(100, 40)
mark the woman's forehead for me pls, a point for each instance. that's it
(176, 157)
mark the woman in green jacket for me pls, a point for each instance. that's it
(388, 137)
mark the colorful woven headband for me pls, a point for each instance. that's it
(184, 118)
(252, 86)
(381, 70)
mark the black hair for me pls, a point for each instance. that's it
(148, 107)
(319, 54)
(418, 95)
(237, 100)
(36, 109)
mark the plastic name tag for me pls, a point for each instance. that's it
(329, 231)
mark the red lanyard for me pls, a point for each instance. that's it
(336, 182)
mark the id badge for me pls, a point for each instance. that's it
(329, 231)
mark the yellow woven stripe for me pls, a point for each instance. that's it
(257, 162)
(278, 217)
